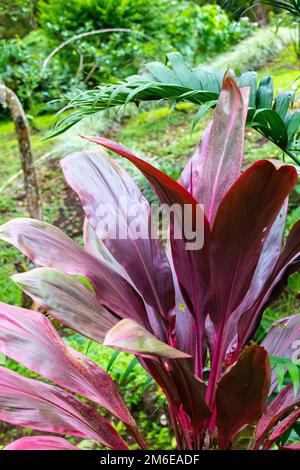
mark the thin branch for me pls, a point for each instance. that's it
(89, 33)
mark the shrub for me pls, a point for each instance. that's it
(190, 29)
(21, 70)
(193, 30)
(16, 15)
(187, 315)
(255, 51)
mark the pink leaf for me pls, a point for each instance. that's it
(33, 404)
(41, 443)
(217, 164)
(48, 246)
(291, 447)
(70, 301)
(99, 182)
(131, 337)
(29, 338)
(282, 403)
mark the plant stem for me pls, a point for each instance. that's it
(216, 365)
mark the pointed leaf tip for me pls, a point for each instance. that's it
(129, 336)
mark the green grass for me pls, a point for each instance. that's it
(285, 69)
(254, 52)
(12, 198)
(9, 155)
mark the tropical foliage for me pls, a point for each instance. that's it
(268, 115)
(187, 315)
(34, 29)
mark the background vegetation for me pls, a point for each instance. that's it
(204, 32)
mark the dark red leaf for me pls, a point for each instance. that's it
(217, 164)
(282, 403)
(266, 263)
(242, 224)
(242, 394)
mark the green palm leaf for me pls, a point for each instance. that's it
(177, 82)
(284, 366)
(293, 6)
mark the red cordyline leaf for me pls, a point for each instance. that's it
(70, 301)
(48, 246)
(41, 443)
(130, 337)
(291, 447)
(95, 247)
(282, 427)
(287, 263)
(217, 164)
(30, 403)
(192, 392)
(143, 258)
(190, 265)
(185, 321)
(243, 221)
(173, 372)
(29, 338)
(266, 263)
(242, 394)
(133, 286)
(282, 403)
(186, 395)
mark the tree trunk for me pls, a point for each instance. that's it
(261, 14)
(8, 97)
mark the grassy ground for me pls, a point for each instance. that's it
(166, 139)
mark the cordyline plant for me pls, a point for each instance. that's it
(187, 315)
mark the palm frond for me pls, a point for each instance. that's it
(270, 116)
(284, 366)
(293, 6)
